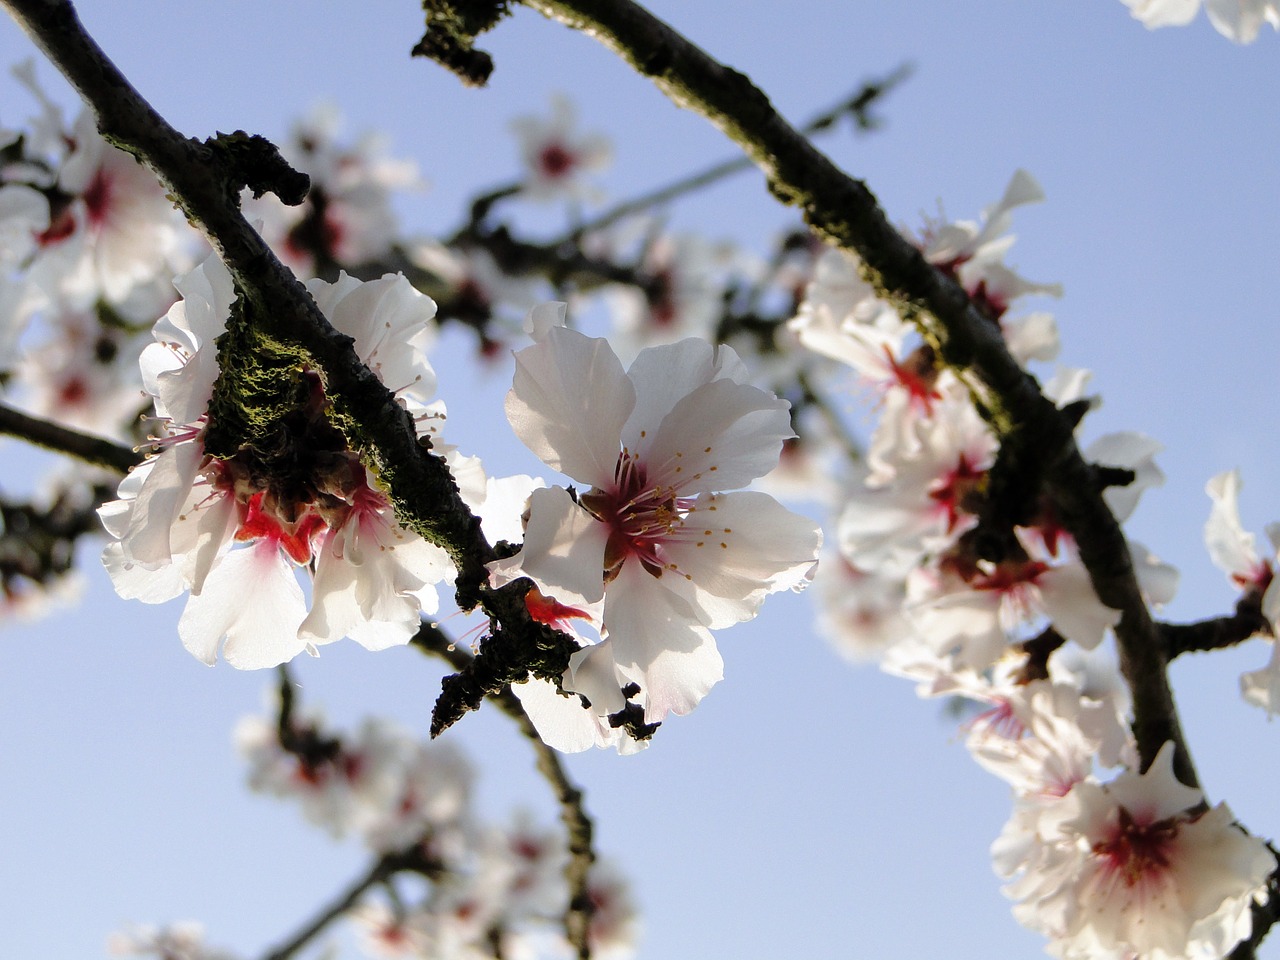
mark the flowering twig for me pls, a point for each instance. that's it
(205, 179)
(1218, 632)
(60, 439)
(577, 824)
(843, 210)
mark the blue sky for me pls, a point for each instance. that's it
(806, 807)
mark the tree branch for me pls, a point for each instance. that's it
(384, 867)
(845, 212)
(857, 105)
(573, 815)
(60, 439)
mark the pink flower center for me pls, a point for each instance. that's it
(294, 539)
(1136, 852)
(917, 373)
(97, 199)
(555, 161)
(955, 489)
(640, 517)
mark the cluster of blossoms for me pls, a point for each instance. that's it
(998, 609)
(88, 247)
(289, 541)
(492, 890)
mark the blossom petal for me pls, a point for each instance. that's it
(568, 402)
(251, 598)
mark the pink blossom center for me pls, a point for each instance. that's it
(294, 539)
(555, 161)
(917, 373)
(955, 488)
(1136, 853)
(640, 517)
(97, 199)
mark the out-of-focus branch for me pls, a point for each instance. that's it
(858, 106)
(60, 439)
(573, 815)
(1037, 438)
(382, 869)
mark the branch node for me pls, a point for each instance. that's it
(253, 161)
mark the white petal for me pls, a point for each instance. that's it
(1070, 602)
(563, 550)
(735, 549)
(568, 402)
(251, 598)
(658, 643)
(721, 436)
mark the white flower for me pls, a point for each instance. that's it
(1233, 551)
(183, 940)
(670, 556)
(235, 532)
(556, 156)
(347, 219)
(974, 253)
(1135, 867)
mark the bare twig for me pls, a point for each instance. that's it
(60, 439)
(573, 815)
(382, 868)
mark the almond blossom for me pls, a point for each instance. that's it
(1135, 867)
(236, 531)
(556, 155)
(1233, 551)
(670, 556)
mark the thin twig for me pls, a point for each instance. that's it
(60, 439)
(573, 815)
(857, 104)
(382, 868)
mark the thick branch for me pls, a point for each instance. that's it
(206, 184)
(573, 815)
(60, 439)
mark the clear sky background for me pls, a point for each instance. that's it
(806, 808)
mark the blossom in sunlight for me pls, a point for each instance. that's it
(236, 532)
(102, 225)
(683, 295)
(974, 253)
(1238, 20)
(653, 537)
(556, 155)
(1135, 867)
